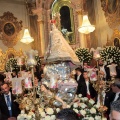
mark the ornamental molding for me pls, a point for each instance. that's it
(10, 29)
(111, 9)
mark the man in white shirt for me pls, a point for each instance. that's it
(9, 108)
(86, 88)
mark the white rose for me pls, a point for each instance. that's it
(29, 117)
(22, 111)
(91, 101)
(57, 110)
(92, 110)
(75, 105)
(80, 95)
(97, 106)
(49, 111)
(18, 117)
(40, 110)
(82, 105)
(42, 114)
(32, 114)
(83, 112)
(47, 118)
(104, 118)
(53, 117)
(24, 115)
(91, 118)
(97, 117)
(76, 110)
(85, 98)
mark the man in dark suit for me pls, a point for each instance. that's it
(9, 108)
(78, 78)
(108, 97)
(78, 75)
(104, 70)
(116, 89)
(86, 88)
(112, 96)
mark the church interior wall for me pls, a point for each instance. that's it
(18, 10)
(102, 28)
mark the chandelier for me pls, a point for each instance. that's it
(86, 26)
(26, 37)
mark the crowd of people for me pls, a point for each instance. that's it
(9, 109)
(85, 85)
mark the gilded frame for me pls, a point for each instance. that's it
(10, 29)
(5, 56)
(116, 35)
(112, 17)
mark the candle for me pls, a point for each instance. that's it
(16, 86)
(28, 83)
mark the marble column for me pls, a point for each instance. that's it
(41, 43)
(82, 37)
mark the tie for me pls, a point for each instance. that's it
(9, 105)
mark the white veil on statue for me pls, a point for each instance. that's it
(58, 48)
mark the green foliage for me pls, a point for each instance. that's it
(110, 53)
(11, 64)
(83, 55)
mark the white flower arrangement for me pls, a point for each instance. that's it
(23, 116)
(110, 53)
(49, 111)
(93, 111)
(11, 64)
(91, 101)
(86, 109)
(83, 54)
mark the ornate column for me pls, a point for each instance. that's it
(82, 37)
(41, 43)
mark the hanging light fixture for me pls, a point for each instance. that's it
(26, 36)
(86, 26)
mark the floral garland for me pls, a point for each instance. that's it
(83, 54)
(110, 53)
(11, 64)
(85, 108)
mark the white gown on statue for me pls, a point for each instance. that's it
(58, 48)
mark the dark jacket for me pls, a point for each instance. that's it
(4, 109)
(83, 90)
(81, 79)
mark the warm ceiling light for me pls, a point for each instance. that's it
(26, 37)
(86, 26)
